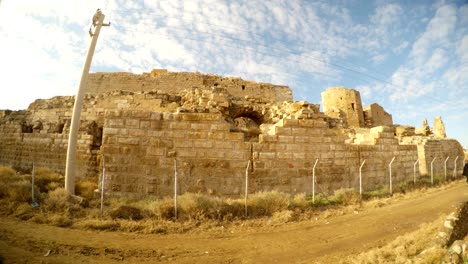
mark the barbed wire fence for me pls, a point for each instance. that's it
(439, 172)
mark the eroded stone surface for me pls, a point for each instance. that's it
(214, 126)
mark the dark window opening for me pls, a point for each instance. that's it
(352, 105)
(216, 84)
(25, 128)
(60, 128)
(243, 87)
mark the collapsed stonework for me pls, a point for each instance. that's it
(213, 126)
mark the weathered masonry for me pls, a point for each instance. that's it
(212, 126)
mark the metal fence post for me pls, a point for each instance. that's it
(246, 186)
(102, 183)
(32, 185)
(175, 189)
(313, 181)
(432, 171)
(390, 172)
(360, 177)
(445, 167)
(414, 170)
(455, 168)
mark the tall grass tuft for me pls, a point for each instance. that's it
(267, 203)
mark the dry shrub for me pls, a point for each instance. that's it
(126, 212)
(60, 220)
(198, 206)
(58, 200)
(164, 209)
(7, 174)
(85, 188)
(282, 217)
(267, 203)
(19, 191)
(47, 180)
(24, 211)
(231, 209)
(346, 197)
(299, 201)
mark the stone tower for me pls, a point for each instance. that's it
(439, 127)
(339, 102)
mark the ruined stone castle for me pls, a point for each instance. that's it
(213, 126)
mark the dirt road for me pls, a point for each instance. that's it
(303, 242)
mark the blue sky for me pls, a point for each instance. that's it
(411, 57)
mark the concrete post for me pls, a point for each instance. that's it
(455, 168)
(313, 181)
(360, 178)
(390, 174)
(70, 168)
(246, 187)
(175, 188)
(432, 171)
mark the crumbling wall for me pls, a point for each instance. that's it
(212, 133)
(340, 102)
(440, 149)
(21, 146)
(176, 82)
(375, 115)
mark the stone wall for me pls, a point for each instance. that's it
(440, 149)
(140, 148)
(340, 102)
(212, 133)
(20, 150)
(176, 82)
(375, 115)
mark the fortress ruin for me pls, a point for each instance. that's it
(213, 126)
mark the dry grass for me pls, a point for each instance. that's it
(414, 247)
(47, 180)
(85, 188)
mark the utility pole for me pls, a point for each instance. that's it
(70, 169)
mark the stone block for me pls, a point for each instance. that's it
(267, 155)
(285, 155)
(145, 124)
(285, 139)
(186, 153)
(200, 127)
(115, 123)
(136, 132)
(215, 154)
(290, 122)
(301, 139)
(202, 144)
(267, 138)
(220, 127)
(216, 135)
(282, 130)
(197, 135)
(132, 123)
(180, 125)
(155, 151)
(129, 140)
(234, 136)
(110, 131)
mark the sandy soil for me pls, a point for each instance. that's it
(315, 240)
